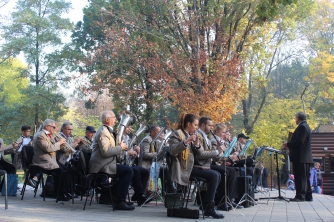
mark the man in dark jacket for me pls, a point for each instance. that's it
(301, 158)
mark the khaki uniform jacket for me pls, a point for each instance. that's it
(206, 153)
(181, 169)
(146, 156)
(45, 151)
(104, 153)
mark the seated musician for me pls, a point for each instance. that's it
(140, 174)
(218, 141)
(250, 171)
(45, 149)
(66, 132)
(184, 166)
(148, 150)
(86, 141)
(25, 139)
(4, 165)
(104, 159)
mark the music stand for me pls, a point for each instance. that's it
(155, 192)
(280, 197)
(246, 196)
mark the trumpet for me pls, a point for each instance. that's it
(86, 141)
(67, 148)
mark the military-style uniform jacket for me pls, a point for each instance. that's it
(104, 152)
(45, 151)
(206, 152)
(148, 151)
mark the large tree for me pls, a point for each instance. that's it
(182, 52)
(36, 30)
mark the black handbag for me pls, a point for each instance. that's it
(174, 200)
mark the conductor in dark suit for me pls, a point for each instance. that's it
(301, 158)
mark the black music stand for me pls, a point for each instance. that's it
(280, 197)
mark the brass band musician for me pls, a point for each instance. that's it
(205, 126)
(148, 150)
(66, 132)
(86, 141)
(140, 174)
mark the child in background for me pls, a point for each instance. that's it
(291, 183)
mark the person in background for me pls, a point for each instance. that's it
(291, 183)
(316, 178)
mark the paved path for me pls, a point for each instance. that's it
(35, 209)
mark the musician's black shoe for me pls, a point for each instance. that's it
(237, 206)
(211, 211)
(129, 203)
(123, 206)
(297, 200)
(64, 197)
(224, 207)
(142, 199)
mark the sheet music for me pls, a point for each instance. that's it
(26, 141)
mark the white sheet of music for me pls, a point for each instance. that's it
(26, 141)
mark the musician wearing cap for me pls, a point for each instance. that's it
(45, 149)
(104, 159)
(301, 158)
(205, 127)
(86, 141)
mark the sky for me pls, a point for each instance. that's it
(74, 15)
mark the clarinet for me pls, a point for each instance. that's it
(219, 143)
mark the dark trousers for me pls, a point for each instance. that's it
(212, 178)
(124, 175)
(64, 186)
(231, 183)
(301, 172)
(140, 179)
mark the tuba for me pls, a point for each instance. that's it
(142, 128)
(162, 149)
(127, 118)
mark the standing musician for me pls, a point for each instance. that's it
(184, 146)
(45, 149)
(86, 141)
(218, 141)
(148, 150)
(140, 174)
(104, 159)
(66, 132)
(301, 157)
